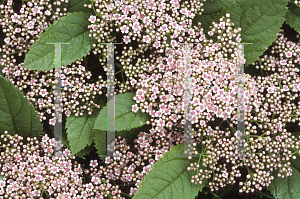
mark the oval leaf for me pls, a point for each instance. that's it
(293, 16)
(72, 5)
(169, 178)
(287, 188)
(72, 29)
(80, 131)
(100, 143)
(211, 9)
(17, 115)
(260, 21)
(125, 119)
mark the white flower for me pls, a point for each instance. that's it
(126, 39)
(92, 19)
(135, 108)
(47, 13)
(225, 174)
(43, 92)
(146, 39)
(283, 62)
(173, 43)
(15, 18)
(36, 9)
(2, 183)
(30, 25)
(107, 160)
(94, 27)
(285, 88)
(124, 29)
(288, 54)
(191, 31)
(117, 155)
(238, 134)
(7, 40)
(52, 121)
(17, 73)
(93, 163)
(18, 30)
(270, 90)
(136, 27)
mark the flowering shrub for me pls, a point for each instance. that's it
(150, 98)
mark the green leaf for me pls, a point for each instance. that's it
(168, 38)
(73, 5)
(125, 119)
(80, 131)
(84, 151)
(293, 16)
(169, 178)
(100, 138)
(17, 115)
(100, 142)
(287, 188)
(72, 29)
(260, 21)
(1, 68)
(211, 9)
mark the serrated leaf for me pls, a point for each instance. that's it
(1, 68)
(84, 151)
(100, 138)
(260, 21)
(17, 115)
(72, 29)
(100, 142)
(72, 5)
(169, 178)
(293, 16)
(125, 119)
(80, 131)
(211, 9)
(287, 188)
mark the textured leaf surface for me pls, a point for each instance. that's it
(211, 9)
(125, 119)
(169, 178)
(100, 143)
(293, 16)
(260, 21)
(72, 29)
(80, 131)
(73, 5)
(100, 138)
(84, 151)
(287, 188)
(17, 115)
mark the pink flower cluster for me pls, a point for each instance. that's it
(27, 174)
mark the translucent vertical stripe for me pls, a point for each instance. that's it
(187, 97)
(187, 100)
(58, 99)
(240, 103)
(110, 110)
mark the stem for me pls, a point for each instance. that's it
(125, 194)
(122, 76)
(216, 195)
(225, 192)
(120, 71)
